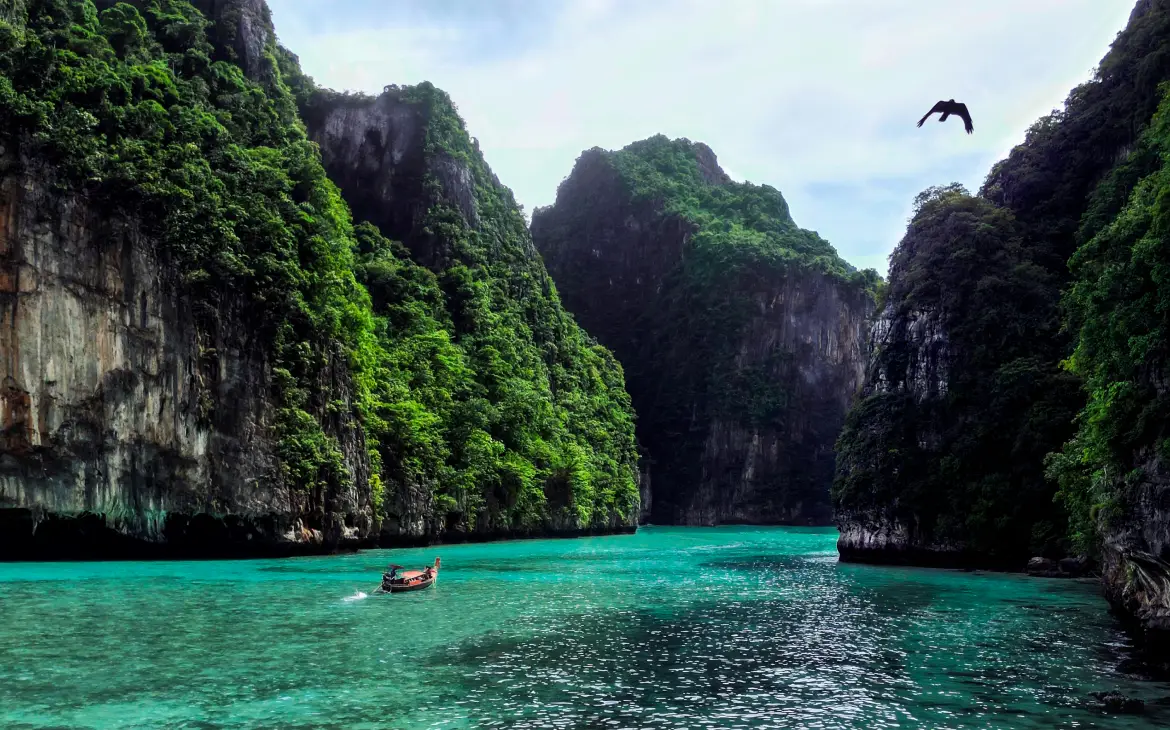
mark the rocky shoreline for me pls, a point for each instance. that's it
(29, 536)
(1063, 568)
(884, 540)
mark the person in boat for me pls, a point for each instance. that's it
(392, 573)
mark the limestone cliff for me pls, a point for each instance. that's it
(1135, 559)
(405, 165)
(203, 355)
(140, 410)
(1114, 474)
(126, 423)
(240, 31)
(742, 350)
(1039, 308)
(941, 459)
(876, 532)
(1090, 182)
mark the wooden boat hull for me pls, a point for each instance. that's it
(403, 587)
(411, 580)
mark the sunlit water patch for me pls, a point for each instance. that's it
(668, 628)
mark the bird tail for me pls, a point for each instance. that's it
(943, 118)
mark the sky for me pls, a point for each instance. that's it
(818, 98)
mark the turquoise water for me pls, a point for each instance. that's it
(668, 628)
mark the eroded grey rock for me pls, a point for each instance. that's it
(121, 418)
(244, 27)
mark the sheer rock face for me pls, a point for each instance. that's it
(374, 150)
(243, 29)
(709, 165)
(133, 426)
(125, 427)
(1135, 555)
(750, 472)
(128, 429)
(922, 333)
(1135, 566)
(877, 534)
(616, 263)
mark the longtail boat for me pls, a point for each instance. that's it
(409, 580)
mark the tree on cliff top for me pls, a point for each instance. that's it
(747, 224)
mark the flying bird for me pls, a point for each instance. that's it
(949, 107)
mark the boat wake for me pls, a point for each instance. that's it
(356, 597)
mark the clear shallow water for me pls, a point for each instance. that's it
(669, 628)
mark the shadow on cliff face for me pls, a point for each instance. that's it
(26, 534)
(741, 369)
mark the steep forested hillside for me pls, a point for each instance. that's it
(964, 396)
(1015, 403)
(264, 369)
(1113, 475)
(502, 397)
(741, 334)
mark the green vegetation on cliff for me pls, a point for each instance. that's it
(131, 106)
(536, 418)
(742, 243)
(475, 408)
(1047, 288)
(1119, 307)
(500, 408)
(737, 226)
(961, 458)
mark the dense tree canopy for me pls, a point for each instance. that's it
(1119, 306)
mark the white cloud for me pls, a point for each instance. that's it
(798, 94)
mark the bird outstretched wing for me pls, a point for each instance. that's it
(938, 107)
(961, 111)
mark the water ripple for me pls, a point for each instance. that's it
(669, 628)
